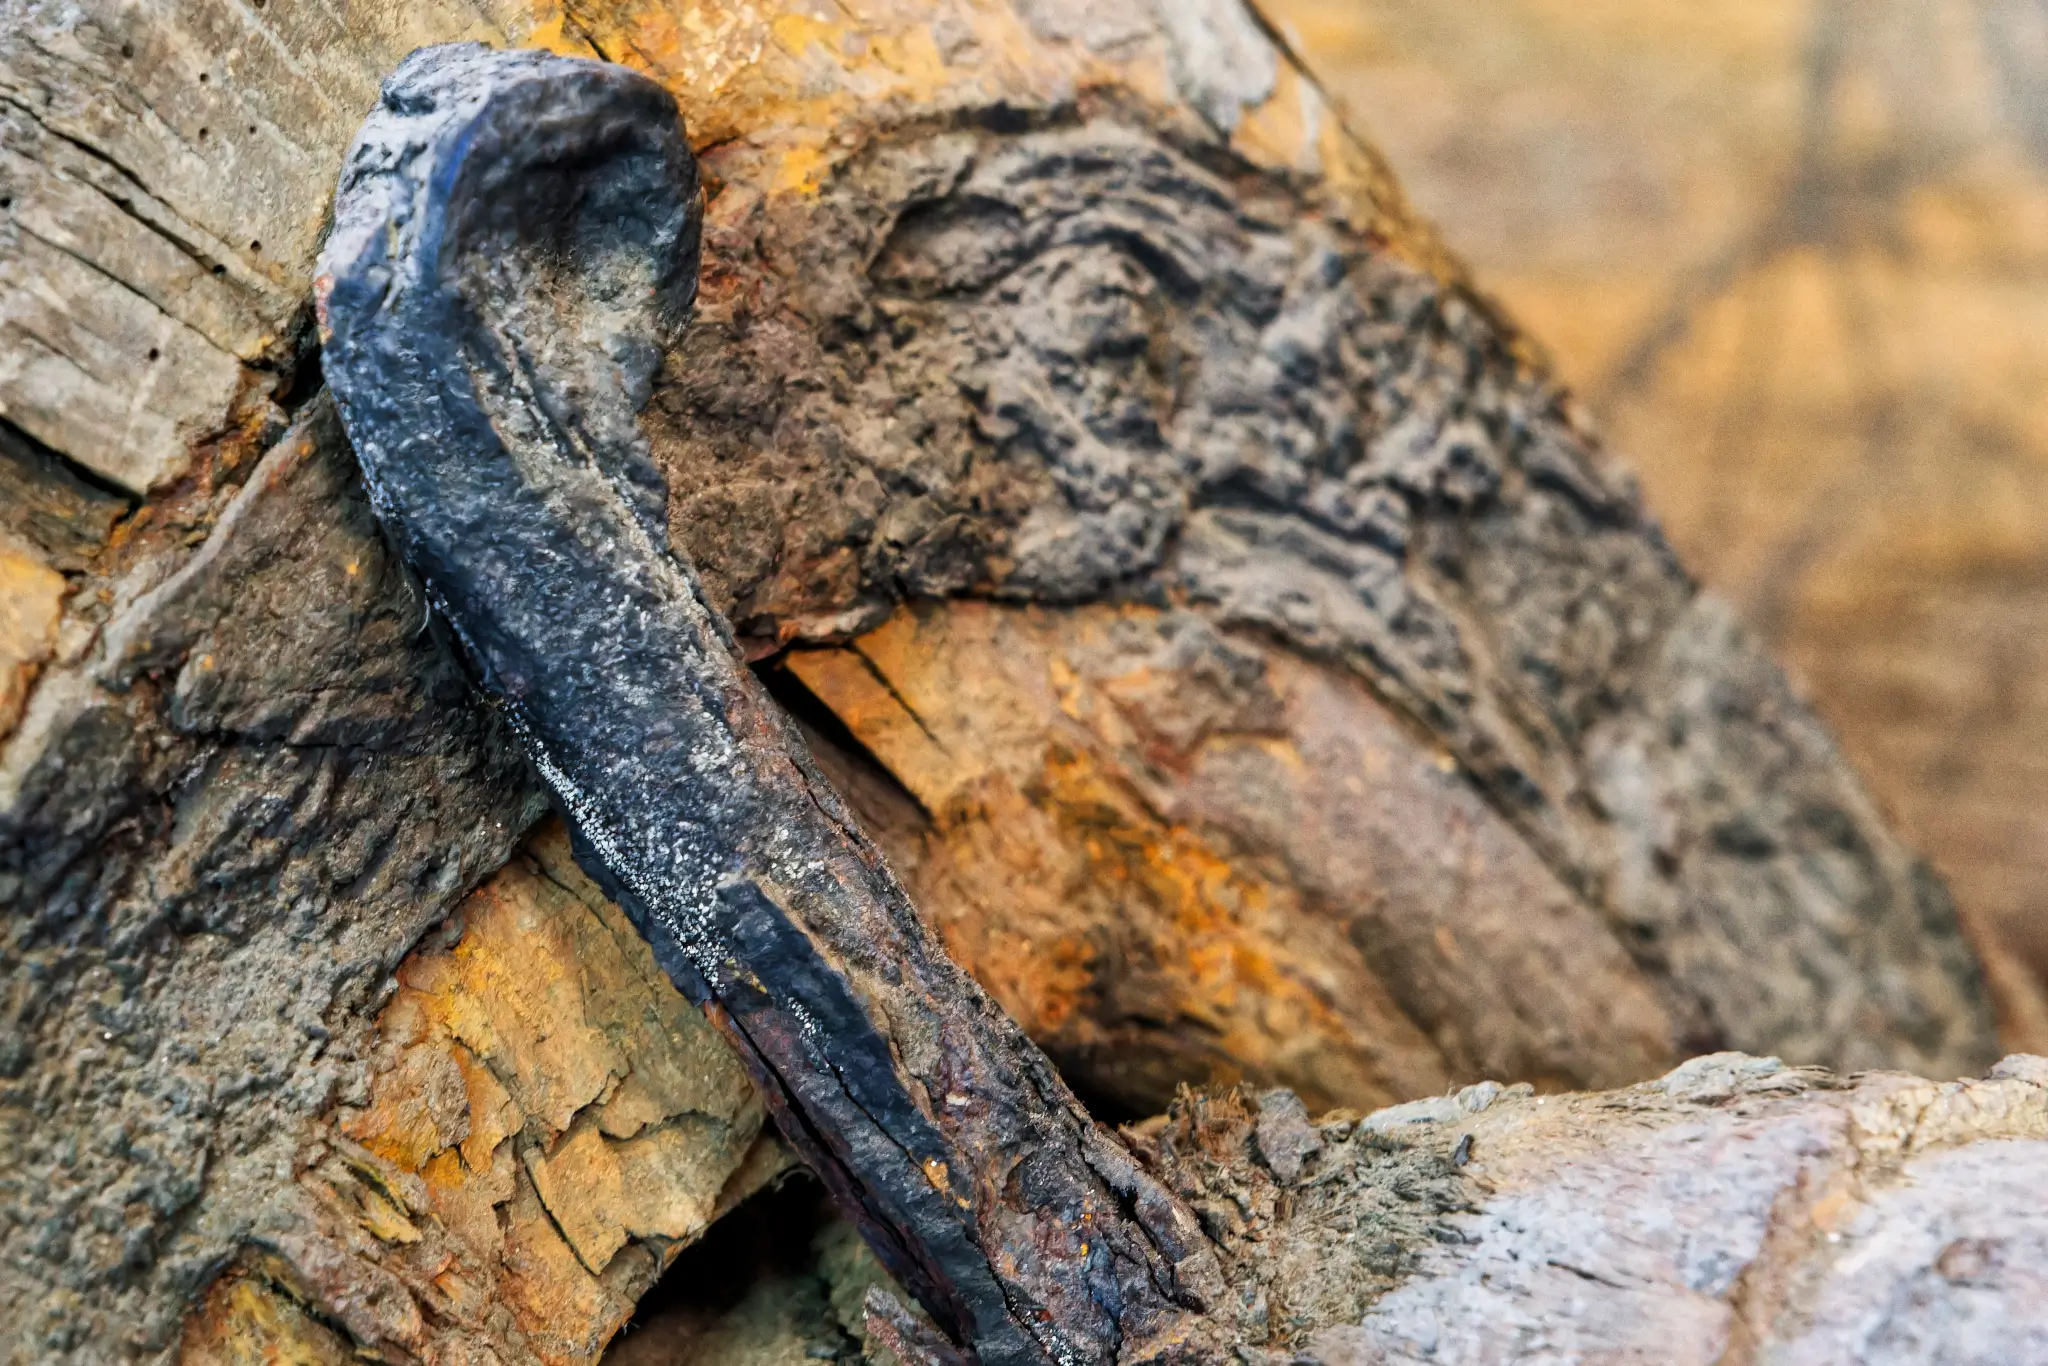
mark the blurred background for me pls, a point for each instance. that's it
(1794, 255)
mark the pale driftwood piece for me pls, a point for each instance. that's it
(1733, 1211)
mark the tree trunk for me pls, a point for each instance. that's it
(1234, 640)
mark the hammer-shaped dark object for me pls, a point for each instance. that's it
(515, 242)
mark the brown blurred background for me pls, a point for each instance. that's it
(1794, 253)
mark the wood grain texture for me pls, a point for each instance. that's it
(515, 239)
(242, 786)
(547, 1122)
(1171, 853)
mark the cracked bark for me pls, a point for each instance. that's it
(1274, 681)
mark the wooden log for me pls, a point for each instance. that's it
(992, 296)
(1734, 1210)
(1898, 611)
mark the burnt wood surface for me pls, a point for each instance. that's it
(515, 241)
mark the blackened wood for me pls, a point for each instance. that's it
(515, 241)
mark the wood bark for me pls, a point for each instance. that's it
(1231, 634)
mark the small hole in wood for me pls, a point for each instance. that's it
(154, 353)
(127, 49)
(220, 270)
(204, 78)
(255, 246)
(203, 133)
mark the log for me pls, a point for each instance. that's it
(1333, 714)
(516, 238)
(1733, 1210)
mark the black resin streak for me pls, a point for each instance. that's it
(515, 242)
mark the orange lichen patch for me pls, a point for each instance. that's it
(1036, 954)
(513, 991)
(796, 33)
(421, 1109)
(801, 170)
(1139, 952)
(548, 1123)
(773, 71)
(804, 87)
(31, 604)
(548, 27)
(1268, 1007)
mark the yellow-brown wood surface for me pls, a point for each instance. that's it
(1170, 855)
(539, 1121)
(548, 1122)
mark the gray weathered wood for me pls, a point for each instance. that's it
(1735, 1210)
